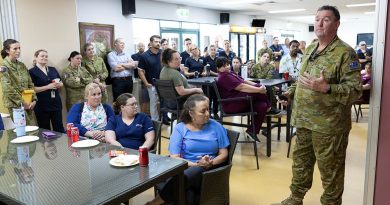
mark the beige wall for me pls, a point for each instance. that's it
(47, 24)
(51, 25)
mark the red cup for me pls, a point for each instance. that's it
(285, 75)
(143, 156)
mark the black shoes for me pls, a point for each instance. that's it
(273, 111)
(253, 136)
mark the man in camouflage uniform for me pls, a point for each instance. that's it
(265, 48)
(328, 83)
(75, 80)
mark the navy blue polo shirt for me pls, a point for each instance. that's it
(151, 63)
(211, 62)
(184, 55)
(45, 102)
(277, 49)
(195, 65)
(229, 57)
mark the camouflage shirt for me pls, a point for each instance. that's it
(263, 72)
(14, 80)
(75, 80)
(96, 68)
(323, 112)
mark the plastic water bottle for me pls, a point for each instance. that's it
(19, 121)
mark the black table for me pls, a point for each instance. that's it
(202, 80)
(51, 172)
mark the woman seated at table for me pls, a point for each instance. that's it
(171, 62)
(129, 128)
(199, 140)
(263, 69)
(92, 115)
(230, 85)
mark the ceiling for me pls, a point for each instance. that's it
(260, 8)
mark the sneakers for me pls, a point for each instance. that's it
(291, 200)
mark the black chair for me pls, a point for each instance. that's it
(249, 114)
(358, 110)
(157, 130)
(215, 182)
(166, 92)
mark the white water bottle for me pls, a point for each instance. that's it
(19, 121)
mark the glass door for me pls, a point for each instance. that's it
(243, 53)
(234, 44)
(252, 47)
(178, 36)
(173, 38)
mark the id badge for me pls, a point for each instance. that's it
(53, 94)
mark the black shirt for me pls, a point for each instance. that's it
(211, 62)
(184, 55)
(151, 63)
(45, 101)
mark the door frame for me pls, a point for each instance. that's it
(181, 31)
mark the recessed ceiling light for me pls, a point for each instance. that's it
(360, 5)
(286, 11)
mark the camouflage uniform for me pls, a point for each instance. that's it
(75, 80)
(13, 81)
(97, 68)
(323, 120)
(261, 50)
(263, 72)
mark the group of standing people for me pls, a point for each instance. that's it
(45, 109)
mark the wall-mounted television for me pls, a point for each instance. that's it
(367, 37)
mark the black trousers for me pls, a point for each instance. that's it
(45, 117)
(192, 183)
(121, 85)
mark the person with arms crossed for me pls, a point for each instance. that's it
(328, 84)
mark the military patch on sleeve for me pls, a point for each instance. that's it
(354, 65)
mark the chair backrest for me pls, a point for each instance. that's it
(233, 139)
(215, 186)
(166, 89)
(216, 89)
(157, 130)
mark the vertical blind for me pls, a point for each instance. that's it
(8, 23)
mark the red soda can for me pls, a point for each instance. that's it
(68, 129)
(143, 156)
(75, 134)
(285, 75)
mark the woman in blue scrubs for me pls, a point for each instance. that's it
(129, 128)
(47, 83)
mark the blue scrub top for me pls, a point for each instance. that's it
(131, 136)
(191, 145)
(45, 101)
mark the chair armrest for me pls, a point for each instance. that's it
(235, 99)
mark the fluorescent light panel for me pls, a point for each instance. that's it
(360, 5)
(369, 12)
(286, 11)
(242, 2)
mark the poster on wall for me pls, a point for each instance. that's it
(101, 36)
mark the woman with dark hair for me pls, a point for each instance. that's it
(230, 85)
(47, 84)
(96, 67)
(199, 140)
(15, 80)
(129, 128)
(171, 62)
(92, 115)
(75, 77)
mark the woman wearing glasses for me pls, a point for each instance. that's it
(92, 115)
(129, 128)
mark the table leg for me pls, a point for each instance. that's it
(178, 188)
(269, 136)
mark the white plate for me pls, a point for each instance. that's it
(30, 128)
(125, 160)
(3, 115)
(85, 143)
(25, 139)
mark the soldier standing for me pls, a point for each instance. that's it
(328, 83)
(75, 78)
(96, 67)
(15, 79)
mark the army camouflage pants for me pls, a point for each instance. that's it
(329, 151)
(30, 116)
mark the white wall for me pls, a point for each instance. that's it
(348, 30)
(277, 27)
(240, 20)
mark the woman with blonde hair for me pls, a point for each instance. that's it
(47, 83)
(91, 116)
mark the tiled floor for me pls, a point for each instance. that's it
(271, 183)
